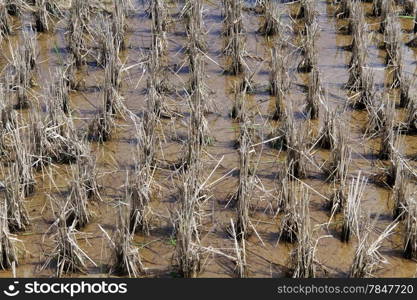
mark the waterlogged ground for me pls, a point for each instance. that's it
(265, 256)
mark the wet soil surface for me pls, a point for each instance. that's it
(265, 256)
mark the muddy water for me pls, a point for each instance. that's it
(266, 257)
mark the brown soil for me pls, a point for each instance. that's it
(266, 257)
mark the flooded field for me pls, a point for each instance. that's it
(163, 112)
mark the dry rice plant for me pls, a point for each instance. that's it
(297, 148)
(101, 128)
(405, 90)
(119, 25)
(42, 15)
(410, 241)
(241, 264)
(340, 156)
(87, 172)
(113, 103)
(233, 17)
(158, 27)
(17, 215)
(368, 257)
(280, 82)
(246, 181)
(303, 256)
(314, 97)
(186, 222)
(375, 108)
(236, 51)
(409, 7)
(125, 259)
(411, 116)
(396, 168)
(357, 27)
(5, 21)
(66, 256)
(392, 40)
(344, 9)
(238, 104)
(272, 23)
(400, 194)
(386, 9)
(77, 211)
(388, 134)
(351, 209)
(23, 162)
(59, 90)
(193, 11)
(308, 49)
(138, 196)
(8, 251)
(327, 137)
(14, 7)
(294, 202)
(199, 90)
(78, 23)
(377, 7)
(307, 12)
(22, 62)
(365, 87)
